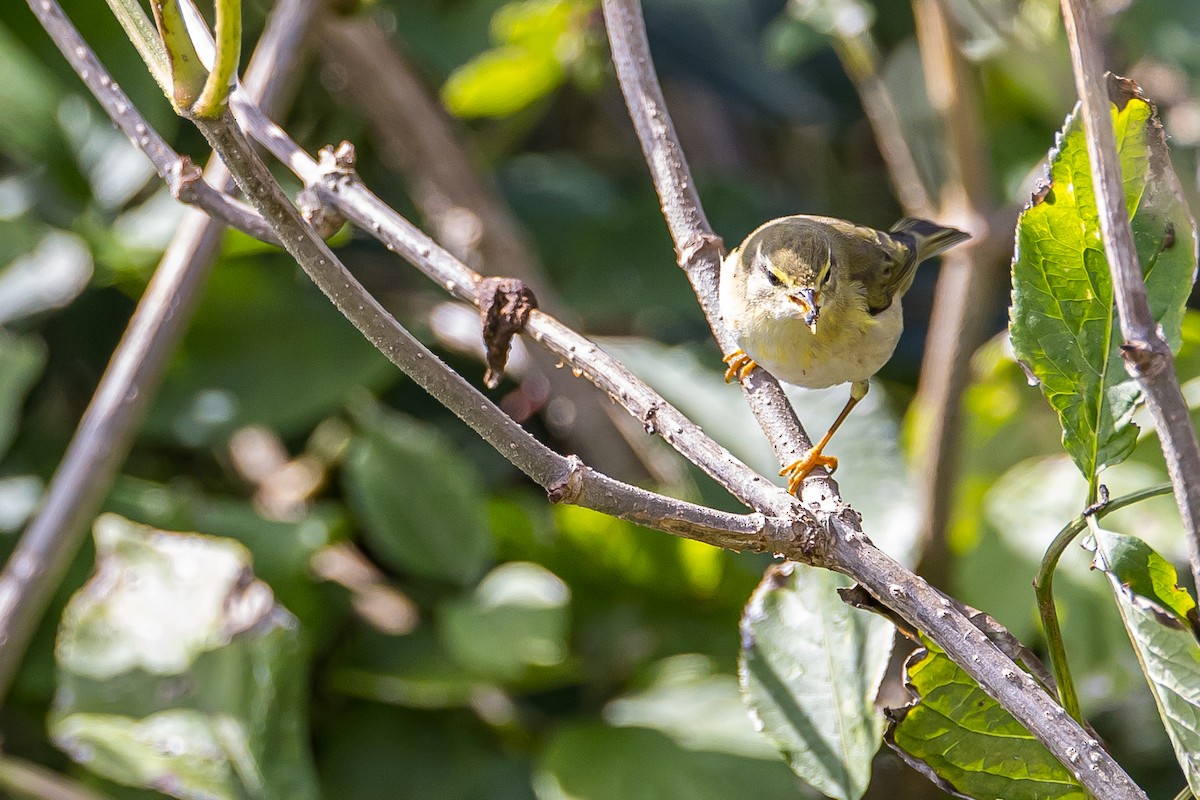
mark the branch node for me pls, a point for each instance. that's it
(324, 218)
(337, 160)
(183, 176)
(504, 307)
(650, 417)
(1146, 359)
(692, 250)
(569, 488)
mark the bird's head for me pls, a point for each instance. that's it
(790, 270)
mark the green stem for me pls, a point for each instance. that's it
(225, 62)
(1043, 587)
(145, 40)
(1185, 794)
(187, 73)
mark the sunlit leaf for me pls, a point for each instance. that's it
(1064, 324)
(701, 709)
(178, 671)
(810, 668)
(421, 504)
(282, 551)
(962, 740)
(1161, 621)
(518, 617)
(501, 82)
(49, 276)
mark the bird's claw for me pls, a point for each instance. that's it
(798, 470)
(739, 365)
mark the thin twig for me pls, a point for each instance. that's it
(1147, 356)
(106, 431)
(21, 778)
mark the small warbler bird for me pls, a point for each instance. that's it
(816, 301)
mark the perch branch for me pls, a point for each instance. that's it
(1147, 356)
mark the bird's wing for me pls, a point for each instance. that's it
(884, 265)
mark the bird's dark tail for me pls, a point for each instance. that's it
(929, 237)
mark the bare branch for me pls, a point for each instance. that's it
(1147, 356)
(109, 424)
(697, 248)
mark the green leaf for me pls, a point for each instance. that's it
(178, 671)
(421, 504)
(501, 82)
(701, 709)
(282, 551)
(264, 347)
(21, 362)
(1064, 326)
(1161, 621)
(413, 671)
(517, 618)
(810, 669)
(374, 752)
(968, 745)
(590, 761)
(536, 24)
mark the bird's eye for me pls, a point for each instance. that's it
(773, 278)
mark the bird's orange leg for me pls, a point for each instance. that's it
(739, 365)
(798, 470)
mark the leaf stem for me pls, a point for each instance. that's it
(187, 73)
(1043, 586)
(145, 40)
(224, 69)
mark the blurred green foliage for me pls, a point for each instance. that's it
(555, 652)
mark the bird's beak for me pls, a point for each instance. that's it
(806, 298)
